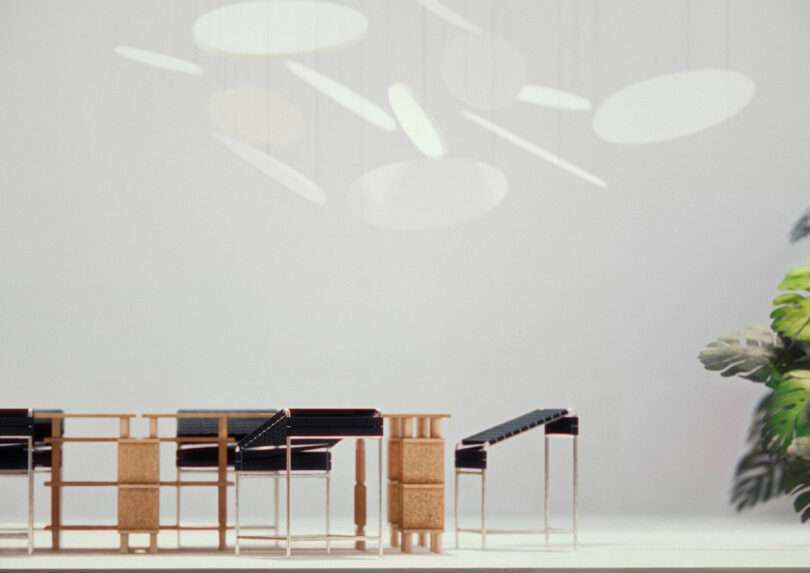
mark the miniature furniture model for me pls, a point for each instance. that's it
(195, 457)
(17, 460)
(298, 439)
(134, 477)
(218, 444)
(416, 479)
(471, 458)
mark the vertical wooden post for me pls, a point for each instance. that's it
(123, 427)
(435, 427)
(153, 427)
(56, 477)
(360, 493)
(222, 478)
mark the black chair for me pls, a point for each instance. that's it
(196, 457)
(472, 452)
(17, 460)
(299, 440)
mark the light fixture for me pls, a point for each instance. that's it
(277, 170)
(534, 149)
(450, 16)
(158, 60)
(340, 94)
(422, 194)
(278, 28)
(550, 97)
(256, 116)
(415, 122)
(671, 106)
(485, 72)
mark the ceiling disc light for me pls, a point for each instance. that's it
(672, 106)
(421, 194)
(158, 60)
(483, 71)
(550, 97)
(277, 170)
(256, 116)
(415, 122)
(343, 96)
(278, 28)
(448, 15)
(534, 149)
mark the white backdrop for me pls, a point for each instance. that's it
(145, 268)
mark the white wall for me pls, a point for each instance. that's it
(144, 268)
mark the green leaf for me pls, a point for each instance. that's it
(787, 411)
(801, 228)
(747, 353)
(759, 473)
(792, 313)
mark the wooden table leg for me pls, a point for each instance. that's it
(222, 478)
(360, 493)
(56, 477)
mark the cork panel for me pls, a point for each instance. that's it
(394, 458)
(139, 508)
(423, 461)
(394, 502)
(422, 507)
(138, 461)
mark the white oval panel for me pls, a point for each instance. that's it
(422, 194)
(278, 28)
(158, 60)
(486, 72)
(416, 123)
(277, 170)
(671, 106)
(256, 116)
(550, 97)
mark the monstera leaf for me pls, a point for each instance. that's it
(758, 476)
(796, 480)
(792, 313)
(748, 353)
(801, 228)
(787, 417)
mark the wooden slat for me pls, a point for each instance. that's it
(55, 440)
(84, 527)
(63, 415)
(213, 415)
(58, 484)
(416, 415)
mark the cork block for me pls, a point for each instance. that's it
(394, 502)
(138, 509)
(394, 458)
(138, 461)
(422, 461)
(422, 506)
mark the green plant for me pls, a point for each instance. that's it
(778, 458)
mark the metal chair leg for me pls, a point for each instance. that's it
(235, 516)
(30, 496)
(455, 511)
(328, 547)
(483, 510)
(177, 509)
(546, 494)
(576, 487)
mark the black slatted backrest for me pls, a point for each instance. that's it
(209, 427)
(515, 426)
(314, 422)
(16, 422)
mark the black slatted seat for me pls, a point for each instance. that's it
(275, 459)
(472, 452)
(43, 429)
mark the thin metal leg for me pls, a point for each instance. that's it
(576, 487)
(235, 516)
(30, 496)
(328, 548)
(289, 476)
(275, 507)
(455, 511)
(379, 495)
(545, 497)
(177, 509)
(483, 509)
